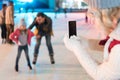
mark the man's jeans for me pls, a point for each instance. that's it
(48, 43)
(3, 31)
(10, 29)
(25, 48)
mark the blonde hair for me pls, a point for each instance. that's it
(108, 16)
(114, 12)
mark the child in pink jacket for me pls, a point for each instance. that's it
(22, 37)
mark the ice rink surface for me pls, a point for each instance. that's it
(66, 67)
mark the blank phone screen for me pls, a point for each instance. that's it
(72, 28)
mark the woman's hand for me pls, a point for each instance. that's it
(72, 42)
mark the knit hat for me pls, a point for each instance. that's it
(22, 23)
(116, 33)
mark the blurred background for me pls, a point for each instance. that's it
(47, 5)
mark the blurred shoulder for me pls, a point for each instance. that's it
(116, 49)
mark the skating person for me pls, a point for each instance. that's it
(22, 37)
(2, 23)
(43, 24)
(9, 21)
(86, 18)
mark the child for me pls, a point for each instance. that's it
(22, 37)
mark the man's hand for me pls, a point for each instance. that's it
(38, 36)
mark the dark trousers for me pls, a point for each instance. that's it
(20, 48)
(3, 31)
(48, 43)
(10, 29)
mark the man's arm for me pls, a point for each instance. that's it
(33, 24)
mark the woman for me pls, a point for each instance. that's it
(109, 69)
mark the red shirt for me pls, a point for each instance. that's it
(112, 44)
(14, 36)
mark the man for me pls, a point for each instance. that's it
(2, 23)
(43, 24)
(9, 21)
